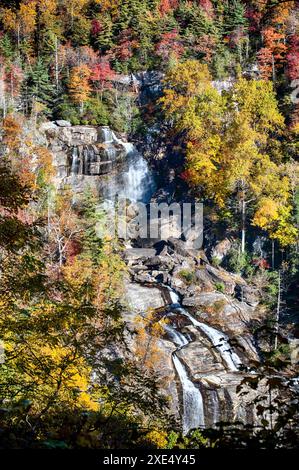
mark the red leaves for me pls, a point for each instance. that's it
(207, 6)
(262, 263)
(206, 46)
(102, 73)
(272, 55)
(293, 58)
(254, 16)
(96, 27)
(169, 45)
(73, 249)
(13, 79)
(126, 45)
(167, 5)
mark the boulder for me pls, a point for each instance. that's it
(193, 239)
(248, 294)
(221, 249)
(141, 298)
(206, 299)
(180, 247)
(133, 254)
(223, 278)
(204, 280)
(47, 126)
(159, 262)
(63, 123)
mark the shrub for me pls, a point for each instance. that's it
(188, 276)
(238, 262)
(220, 286)
(96, 113)
(67, 111)
(218, 306)
(215, 261)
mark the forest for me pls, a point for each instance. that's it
(208, 93)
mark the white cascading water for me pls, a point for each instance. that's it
(75, 161)
(193, 412)
(218, 339)
(108, 135)
(136, 183)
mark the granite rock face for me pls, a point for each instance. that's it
(82, 151)
(94, 157)
(154, 278)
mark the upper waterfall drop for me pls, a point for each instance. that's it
(136, 182)
(97, 157)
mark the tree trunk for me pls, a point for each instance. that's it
(18, 37)
(56, 65)
(273, 254)
(243, 209)
(277, 311)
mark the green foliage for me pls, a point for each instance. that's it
(238, 262)
(215, 261)
(37, 87)
(95, 113)
(188, 276)
(220, 286)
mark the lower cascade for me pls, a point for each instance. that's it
(218, 339)
(193, 412)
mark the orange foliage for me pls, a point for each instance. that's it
(79, 86)
(12, 131)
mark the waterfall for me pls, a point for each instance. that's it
(215, 405)
(176, 336)
(133, 181)
(193, 413)
(136, 183)
(217, 338)
(75, 161)
(193, 416)
(107, 135)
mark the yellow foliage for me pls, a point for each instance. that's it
(149, 330)
(266, 213)
(27, 15)
(79, 86)
(9, 19)
(157, 438)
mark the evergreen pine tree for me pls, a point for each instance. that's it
(37, 87)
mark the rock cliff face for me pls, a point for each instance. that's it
(87, 156)
(83, 150)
